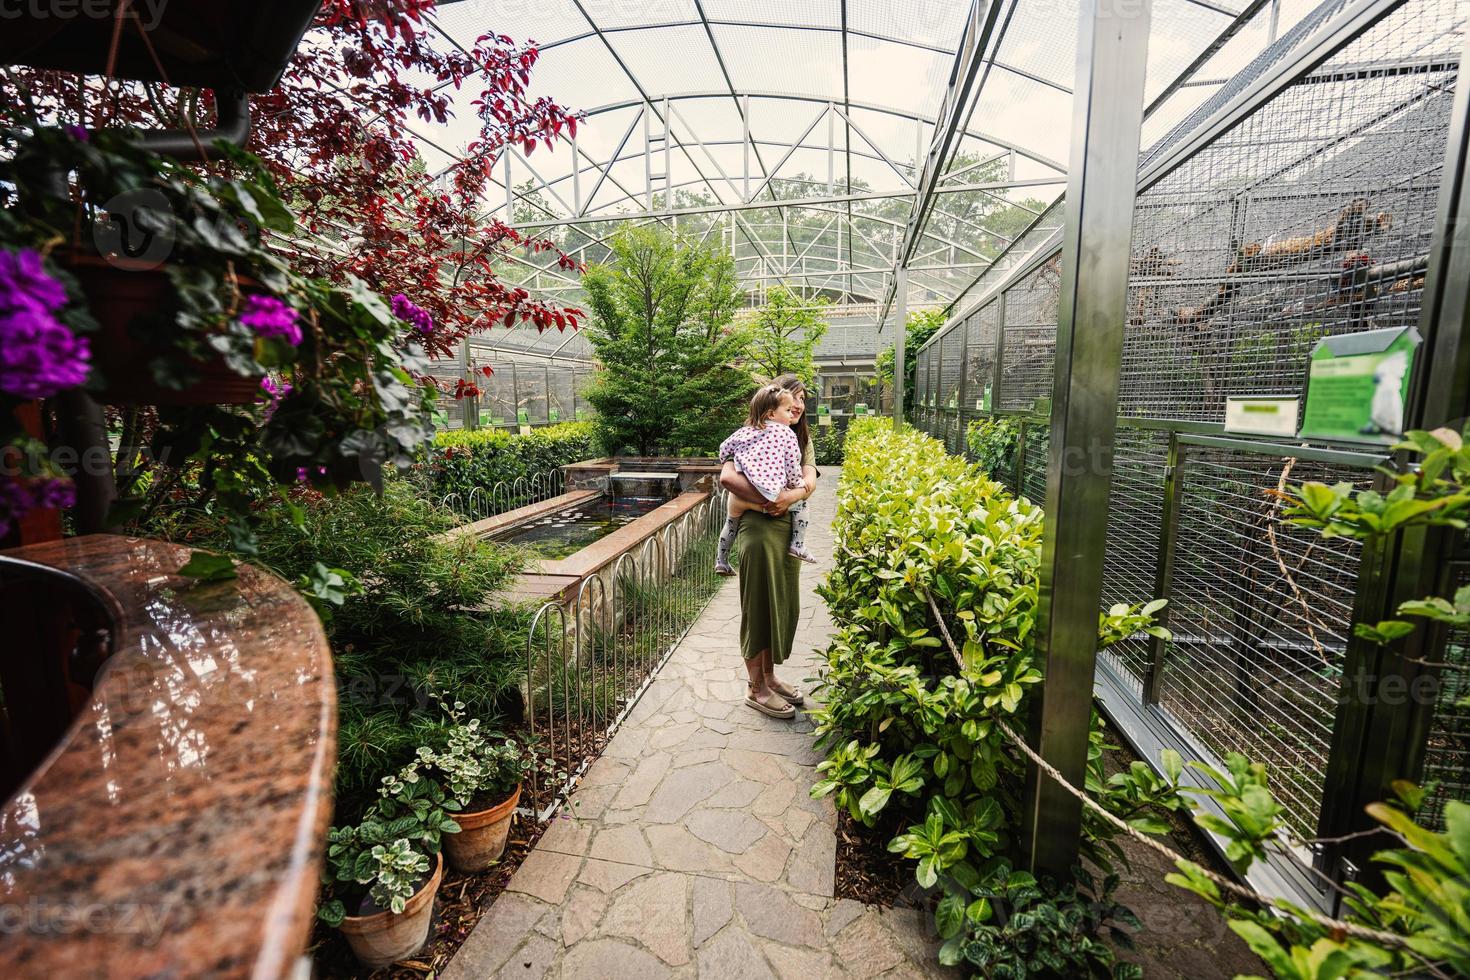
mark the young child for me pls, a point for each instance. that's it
(766, 452)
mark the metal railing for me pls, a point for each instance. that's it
(503, 496)
(591, 656)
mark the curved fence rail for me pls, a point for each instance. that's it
(506, 495)
(589, 658)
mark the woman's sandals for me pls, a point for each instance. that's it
(787, 692)
(778, 710)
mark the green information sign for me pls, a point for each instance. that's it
(823, 410)
(554, 414)
(860, 408)
(984, 404)
(522, 416)
(1357, 384)
(581, 414)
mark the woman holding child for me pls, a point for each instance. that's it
(767, 477)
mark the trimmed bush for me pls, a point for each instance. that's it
(464, 459)
(912, 736)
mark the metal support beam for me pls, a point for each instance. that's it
(1112, 59)
(900, 334)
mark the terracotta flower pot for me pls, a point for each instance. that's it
(481, 837)
(384, 938)
(117, 293)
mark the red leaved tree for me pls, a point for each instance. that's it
(335, 133)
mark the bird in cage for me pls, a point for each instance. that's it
(1351, 230)
(1152, 264)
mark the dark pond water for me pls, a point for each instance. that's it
(567, 531)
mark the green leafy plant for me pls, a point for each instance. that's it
(385, 856)
(921, 325)
(424, 616)
(931, 552)
(992, 442)
(1007, 923)
(391, 871)
(782, 336)
(1433, 491)
(1420, 926)
(662, 324)
(478, 768)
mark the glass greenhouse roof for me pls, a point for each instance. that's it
(822, 142)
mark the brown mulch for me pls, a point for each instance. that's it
(866, 871)
(462, 900)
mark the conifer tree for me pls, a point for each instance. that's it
(662, 313)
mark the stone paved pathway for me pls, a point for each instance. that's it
(692, 847)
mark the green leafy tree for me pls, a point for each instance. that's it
(922, 325)
(783, 335)
(662, 326)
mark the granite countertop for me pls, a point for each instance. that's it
(178, 829)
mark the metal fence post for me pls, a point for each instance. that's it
(1020, 455)
(1112, 55)
(1000, 351)
(900, 335)
(962, 389)
(1164, 576)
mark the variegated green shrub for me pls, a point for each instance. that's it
(913, 737)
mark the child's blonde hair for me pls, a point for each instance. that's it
(765, 401)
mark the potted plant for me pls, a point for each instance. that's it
(263, 378)
(172, 261)
(483, 774)
(382, 874)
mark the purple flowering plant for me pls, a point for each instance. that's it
(340, 367)
(43, 352)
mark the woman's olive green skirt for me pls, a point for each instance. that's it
(770, 586)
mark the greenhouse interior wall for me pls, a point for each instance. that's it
(1319, 212)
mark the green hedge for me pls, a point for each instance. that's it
(911, 736)
(463, 459)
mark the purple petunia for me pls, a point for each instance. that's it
(404, 309)
(39, 355)
(78, 133)
(20, 497)
(271, 317)
(24, 283)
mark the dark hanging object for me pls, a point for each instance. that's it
(207, 43)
